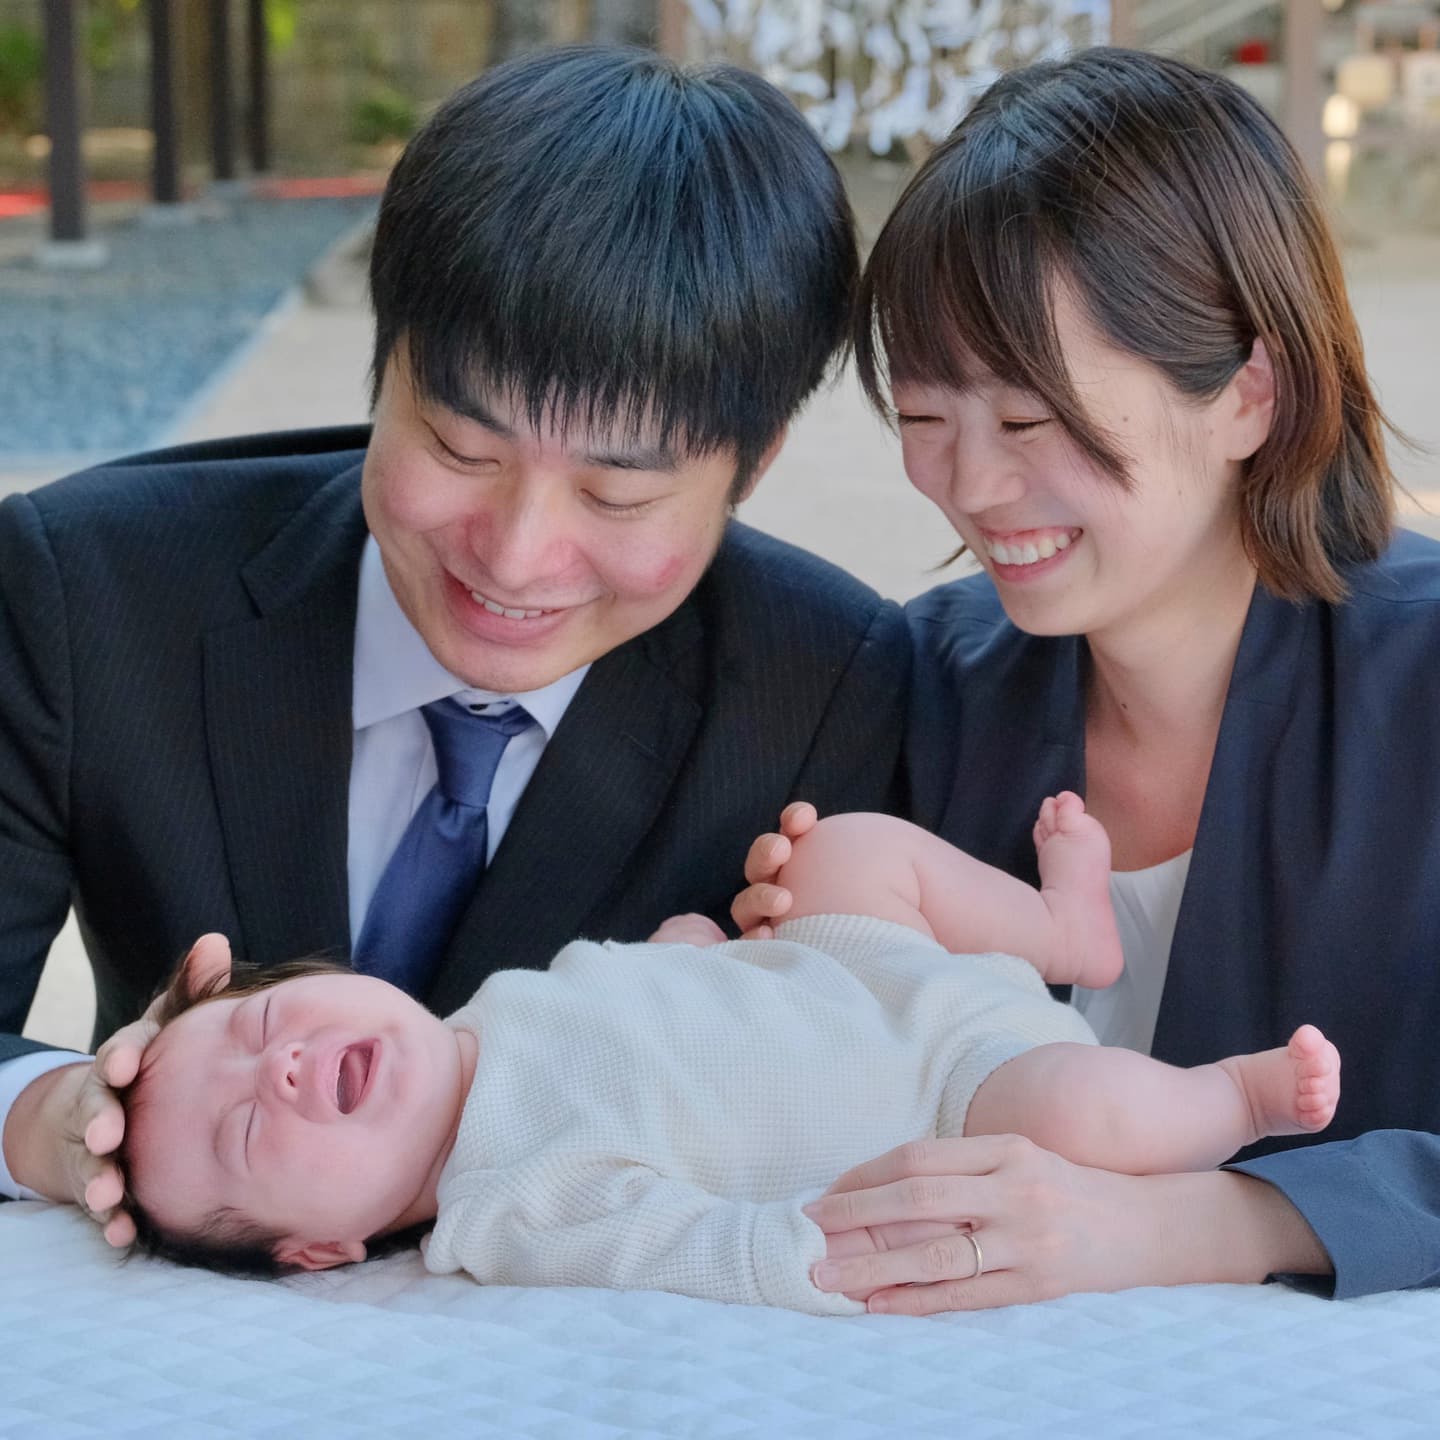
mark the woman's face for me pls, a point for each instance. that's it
(1071, 551)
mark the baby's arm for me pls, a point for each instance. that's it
(878, 865)
(563, 1220)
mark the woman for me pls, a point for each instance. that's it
(1116, 338)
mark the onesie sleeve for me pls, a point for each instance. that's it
(608, 1222)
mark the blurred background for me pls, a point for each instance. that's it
(187, 189)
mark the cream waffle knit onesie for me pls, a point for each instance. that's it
(654, 1116)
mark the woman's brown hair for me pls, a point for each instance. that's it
(1184, 221)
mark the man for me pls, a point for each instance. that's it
(602, 288)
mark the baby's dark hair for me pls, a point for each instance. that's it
(226, 1240)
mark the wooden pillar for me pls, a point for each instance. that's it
(259, 61)
(164, 114)
(62, 121)
(222, 118)
(1304, 101)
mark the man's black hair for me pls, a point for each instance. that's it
(613, 240)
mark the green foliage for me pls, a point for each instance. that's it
(282, 23)
(107, 22)
(383, 113)
(22, 71)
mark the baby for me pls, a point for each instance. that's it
(656, 1116)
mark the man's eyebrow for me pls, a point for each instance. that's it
(659, 458)
(472, 409)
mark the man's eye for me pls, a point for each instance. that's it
(608, 507)
(249, 1126)
(264, 1021)
(469, 462)
(905, 422)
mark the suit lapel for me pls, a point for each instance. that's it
(594, 797)
(280, 731)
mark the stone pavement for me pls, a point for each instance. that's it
(837, 488)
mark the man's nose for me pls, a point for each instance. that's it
(520, 541)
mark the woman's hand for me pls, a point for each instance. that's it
(762, 902)
(1045, 1227)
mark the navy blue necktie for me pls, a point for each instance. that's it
(431, 876)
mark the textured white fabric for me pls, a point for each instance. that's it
(94, 1350)
(392, 767)
(1147, 907)
(654, 1116)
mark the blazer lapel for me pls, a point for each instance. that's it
(1218, 996)
(593, 799)
(280, 731)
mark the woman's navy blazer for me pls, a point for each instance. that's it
(1314, 888)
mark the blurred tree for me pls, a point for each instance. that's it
(22, 79)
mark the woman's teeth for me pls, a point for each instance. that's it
(1027, 552)
(497, 609)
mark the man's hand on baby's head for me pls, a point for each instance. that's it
(117, 1062)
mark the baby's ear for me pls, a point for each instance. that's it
(207, 966)
(320, 1254)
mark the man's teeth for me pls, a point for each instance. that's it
(1027, 552)
(509, 614)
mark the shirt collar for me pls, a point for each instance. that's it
(395, 671)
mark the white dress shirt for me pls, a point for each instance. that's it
(391, 771)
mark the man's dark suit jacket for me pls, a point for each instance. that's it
(176, 639)
(1314, 886)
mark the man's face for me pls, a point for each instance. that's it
(520, 555)
(320, 1108)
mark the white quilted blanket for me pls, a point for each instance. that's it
(91, 1347)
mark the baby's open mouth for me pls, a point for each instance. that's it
(353, 1074)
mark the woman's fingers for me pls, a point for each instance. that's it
(977, 1155)
(988, 1292)
(958, 1199)
(937, 1260)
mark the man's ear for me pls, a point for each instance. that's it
(320, 1254)
(207, 966)
(1250, 404)
(761, 466)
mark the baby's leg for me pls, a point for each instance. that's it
(1118, 1110)
(861, 864)
(877, 865)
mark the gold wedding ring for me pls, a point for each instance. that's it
(979, 1269)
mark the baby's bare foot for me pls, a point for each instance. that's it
(1074, 854)
(1289, 1091)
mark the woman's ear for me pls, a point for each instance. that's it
(1249, 404)
(319, 1254)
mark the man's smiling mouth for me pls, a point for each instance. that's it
(496, 608)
